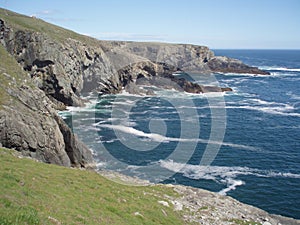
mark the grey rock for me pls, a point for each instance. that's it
(184, 57)
(27, 127)
(189, 58)
(30, 124)
(61, 69)
(227, 65)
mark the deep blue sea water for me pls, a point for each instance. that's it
(245, 143)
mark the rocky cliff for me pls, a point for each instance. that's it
(64, 64)
(29, 123)
(56, 65)
(184, 57)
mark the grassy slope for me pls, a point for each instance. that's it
(38, 193)
(21, 22)
(11, 76)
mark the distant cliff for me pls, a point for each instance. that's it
(55, 66)
(184, 57)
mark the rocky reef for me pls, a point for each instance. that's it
(55, 66)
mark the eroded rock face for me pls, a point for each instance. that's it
(30, 125)
(228, 65)
(61, 70)
(183, 57)
(159, 75)
(188, 58)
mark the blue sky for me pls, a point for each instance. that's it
(250, 24)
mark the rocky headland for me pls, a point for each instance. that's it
(54, 66)
(44, 68)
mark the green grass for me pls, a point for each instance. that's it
(21, 22)
(38, 193)
(242, 222)
(11, 75)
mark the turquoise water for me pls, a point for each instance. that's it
(245, 144)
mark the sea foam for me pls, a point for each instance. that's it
(161, 138)
(221, 174)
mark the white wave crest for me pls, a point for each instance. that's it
(232, 186)
(275, 108)
(270, 110)
(131, 130)
(280, 68)
(222, 174)
(293, 96)
(160, 138)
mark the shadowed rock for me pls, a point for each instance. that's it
(227, 65)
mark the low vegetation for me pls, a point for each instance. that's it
(11, 75)
(21, 22)
(36, 193)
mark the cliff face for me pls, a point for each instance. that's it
(61, 70)
(184, 57)
(29, 123)
(61, 64)
(66, 66)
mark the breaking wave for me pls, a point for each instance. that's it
(160, 138)
(221, 174)
(279, 69)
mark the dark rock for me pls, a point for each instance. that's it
(159, 75)
(227, 65)
(29, 123)
(78, 153)
(32, 130)
(226, 89)
(61, 69)
(37, 131)
(135, 89)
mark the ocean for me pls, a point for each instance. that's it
(244, 143)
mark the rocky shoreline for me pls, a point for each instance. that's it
(45, 68)
(204, 207)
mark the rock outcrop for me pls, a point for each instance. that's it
(183, 57)
(29, 123)
(61, 70)
(227, 65)
(64, 65)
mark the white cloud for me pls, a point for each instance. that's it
(46, 12)
(53, 15)
(129, 36)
